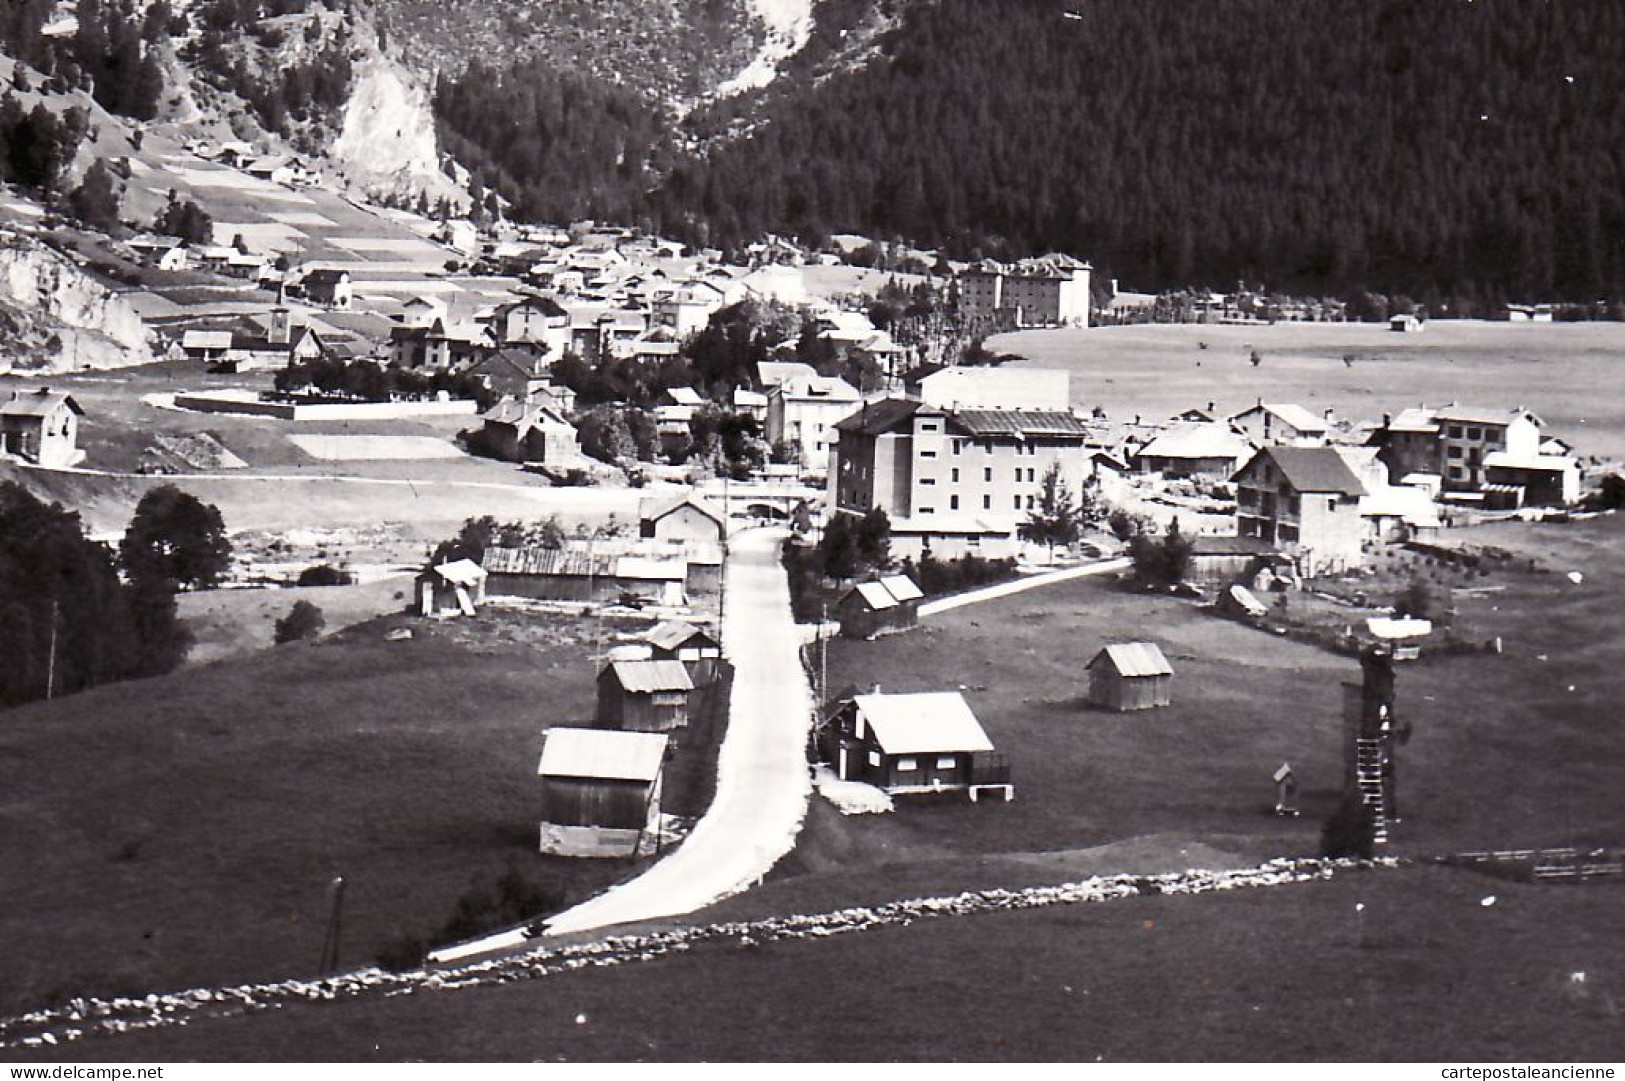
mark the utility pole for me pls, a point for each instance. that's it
(50, 662)
(335, 918)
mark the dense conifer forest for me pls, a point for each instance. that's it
(1470, 150)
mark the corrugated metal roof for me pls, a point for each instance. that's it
(602, 754)
(673, 633)
(1135, 659)
(548, 562)
(939, 721)
(648, 677)
(980, 423)
(651, 569)
(206, 339)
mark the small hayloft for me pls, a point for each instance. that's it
(1131, 676)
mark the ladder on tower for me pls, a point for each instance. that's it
(1368, 756)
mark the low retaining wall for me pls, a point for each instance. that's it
(225, 403)
(600, 842)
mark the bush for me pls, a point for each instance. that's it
(304, 620)
(1350, 831)
(485, 906)
(325, 574)
(939, 576)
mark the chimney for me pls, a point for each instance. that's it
(1327, 416)
(1387, 420)
(1210, 407)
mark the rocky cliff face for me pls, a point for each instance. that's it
(55, 317)
(386, 144)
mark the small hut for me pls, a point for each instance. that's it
(643, 696)
(917, 743)
(697, 650)
(884, 606)
(600, 790)
(451, 589)
(1130, 676)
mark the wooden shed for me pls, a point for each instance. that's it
(685, 517)
(884, 606)
(643, 696)
(928, 742)
(600, 790)
(1130, 676)
(688, 644)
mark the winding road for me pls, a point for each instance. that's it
(762, 779)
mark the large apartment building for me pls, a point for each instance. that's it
(953, 480)
(1049, 291)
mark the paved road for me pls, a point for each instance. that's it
(762, 779)
(1021, 585)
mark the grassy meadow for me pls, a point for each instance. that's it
(182, 831)
(1571, 374)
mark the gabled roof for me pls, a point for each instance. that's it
(673, 633)
(548, 562)
(935, 722)
(1414, 419)
(206, 339)
(1312, 469)
(877, 418)
(1195, 441)
(650, 677)
(685, 396)
(523, 414)
(653, 512)
(1022, 423)
(602, 754)
(38, 403)
(772, 372)
(749, 399)
(461, 572)
(887, 592)
(902, 587)
(1295, 415)
(1135, 659)
(325, 276)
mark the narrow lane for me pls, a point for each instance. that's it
(762, 779)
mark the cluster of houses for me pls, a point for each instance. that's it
(958, 462)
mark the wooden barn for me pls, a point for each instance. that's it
(691, 646)
(451, 588)
(1130, 676)
(600, 790)
(643, 696)
(884, 606)
(581, 574)
(917, 743)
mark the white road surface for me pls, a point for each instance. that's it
(763, 784)
(1022, 585)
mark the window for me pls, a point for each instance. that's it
(987, 447)
(1454, 452)
(1456, 472)
(946, 762)
(1475, 433)
(1030, 500)
(928, 454)
(1032, 475)
(1016, 500)
(928, 510)
(930, 426)
(928, 480)
(987, 502)
(907, 765)
(954, 476)
(953, 502)
(959, 445)
(874, 758)
(1455, 431)
(987, 474)
(1018, 474)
